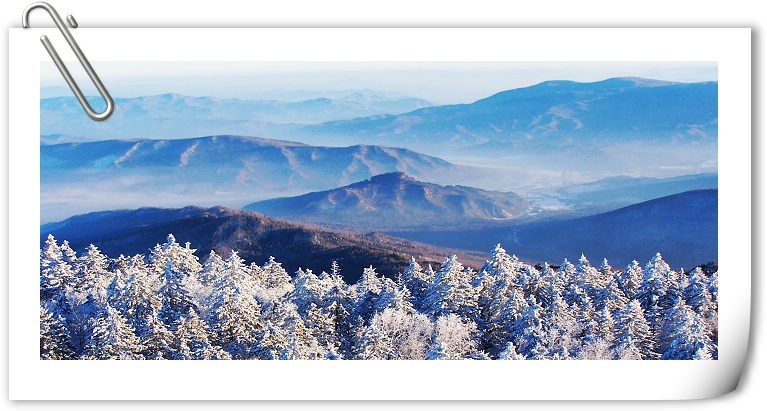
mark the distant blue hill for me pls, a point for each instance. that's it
(171, 115)
(395, 201)
(682, 227)
(231, 170)
(549, 115)
(619, 191)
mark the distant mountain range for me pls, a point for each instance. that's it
(683, 227)
(550, 115)
(619, 191)
(81, 177)
(170, 116)
(395, 201)
(255, 236)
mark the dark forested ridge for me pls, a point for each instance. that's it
(169, 305)
(256, 237)
(683, 225)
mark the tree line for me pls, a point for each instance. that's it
(168, 305)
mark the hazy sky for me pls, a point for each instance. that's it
(441, 83)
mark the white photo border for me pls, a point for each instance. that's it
(31, 378)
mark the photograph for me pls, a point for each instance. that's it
(381, 211)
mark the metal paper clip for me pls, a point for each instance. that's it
(80, 56)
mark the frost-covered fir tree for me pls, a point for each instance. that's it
(156, 339)
(182, 259)
(451, 292)
(416, 281)
(211, 269)
(56, 273)
(366, 292)
(633, 336)
(275, 278)
(191, 340)
(528, 333)
(396, 335)
(631, 279)
(652, 293)
(234, 316)
(685, 334)
(174, 298)
(54, 336)
(458, 338)
(112, 338)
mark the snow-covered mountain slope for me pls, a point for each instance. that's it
(230, 170)
(395, 201)
(551, 114)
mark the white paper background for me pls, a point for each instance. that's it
(143, 13)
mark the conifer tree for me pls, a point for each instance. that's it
(528, 334)
(175, 299)
(112, 338)
(234, 316)
(633, 334)
(631, 279)
(275, 278)
(685, 334)
(191, 340)
(414, 279)
(54, 336)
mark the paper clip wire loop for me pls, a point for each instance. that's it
(80, 56)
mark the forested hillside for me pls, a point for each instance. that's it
(170, 305)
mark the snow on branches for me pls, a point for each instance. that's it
(168, 305)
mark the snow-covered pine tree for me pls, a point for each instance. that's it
(337, 307)
(414, 279)
(458, 338)
(366, 292)
(174, 298)
(497, 331)
(396, 335)
(451, 292)
(586, 276)
(182, 259)
(566, 273)
(631, 280)
(191, 340)
(211, 269)
(55, 272)
(276, 279)
(652, 293)
(112, 338)
(528, 333)
(605, 325)
(82, 310)
(156, 339)
(91, 272)
(234, 317)
(136, 301)
(633, 334)
(54, 336)
(393, 296)
(696, 293)
(686, 334)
